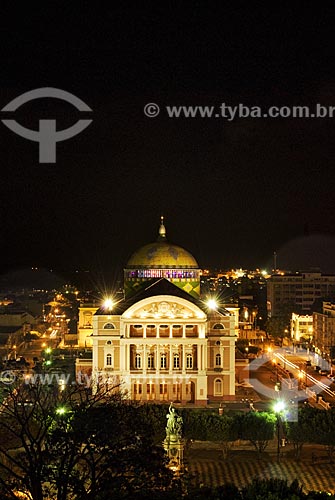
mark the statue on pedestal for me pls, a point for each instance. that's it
(174, 425)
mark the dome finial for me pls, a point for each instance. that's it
(162, 230)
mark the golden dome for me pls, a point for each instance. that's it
(163, 255)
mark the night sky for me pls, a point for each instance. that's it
(232, 193)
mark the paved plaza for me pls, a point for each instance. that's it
(206, 463)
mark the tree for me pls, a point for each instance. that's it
(300, 432)
(258, 428)
(272, 489)
(224, 430)
(24, 422)
(324, 430)
(63, 444)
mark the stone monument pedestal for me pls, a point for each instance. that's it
(174, 447)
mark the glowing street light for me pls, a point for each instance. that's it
(61, 410)
(108, 304)
(279, 406)
(212, 304)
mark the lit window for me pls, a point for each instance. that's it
(163, 388)
(150, 361)
(137, 388)
(109, 326)
(163, 361)
(189, 361)
(138, 361)
(218, 387)
(218, 360)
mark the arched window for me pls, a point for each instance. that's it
(189, 361)
(176, 360)
(109, 342)
(163, 361)
(150, 361)
(138, 361)
(218, 326)
(218, 360)
(108, 359)
(217, 387)
(109, 326)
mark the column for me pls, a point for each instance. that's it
(205, 357)
(144, 365)
(170, 360)
(157, 360)
(222, 356)
(123, 354)
(183, 359)
(199, 357)
(127, 357)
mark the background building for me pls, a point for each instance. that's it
(301, 327)
(287, 293)
(324, 331)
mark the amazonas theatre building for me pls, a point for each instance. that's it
(162, 341)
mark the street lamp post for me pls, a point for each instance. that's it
(278, 408)
(278, 439)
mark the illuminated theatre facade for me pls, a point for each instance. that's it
(162, 342)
